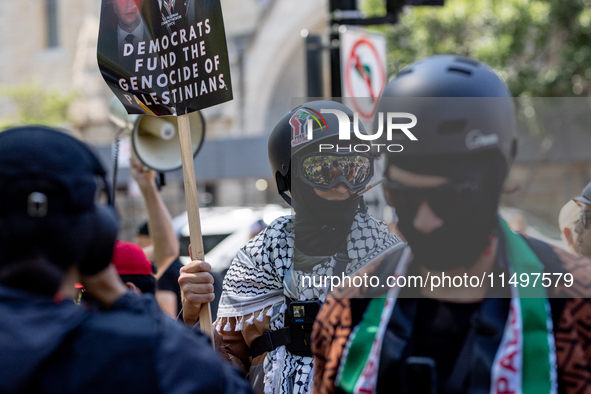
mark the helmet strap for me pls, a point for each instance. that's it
(286, 198)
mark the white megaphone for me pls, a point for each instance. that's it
(154, 140)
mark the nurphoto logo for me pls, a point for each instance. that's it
(302, 125)
(345, 132)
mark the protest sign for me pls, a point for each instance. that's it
(162, 58)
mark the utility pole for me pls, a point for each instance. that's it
(314, 49)
(338, 10)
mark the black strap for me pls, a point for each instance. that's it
(342, 260)
(270, 340)
(286, 198)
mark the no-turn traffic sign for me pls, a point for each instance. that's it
(363, 69)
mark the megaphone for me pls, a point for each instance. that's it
(154, 140)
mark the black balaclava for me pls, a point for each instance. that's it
(466, 233)
(321, 226)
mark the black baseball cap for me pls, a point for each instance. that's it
(585, 197)
(49, 183)
(57, 166)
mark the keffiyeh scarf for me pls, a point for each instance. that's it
(261, 275)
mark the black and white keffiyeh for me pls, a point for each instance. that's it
(261, 275)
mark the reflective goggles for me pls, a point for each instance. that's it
(445, 200)
(585, 217)
(324, 171)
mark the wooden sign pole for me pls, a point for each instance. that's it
(193, 212)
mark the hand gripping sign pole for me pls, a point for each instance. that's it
(193, 213)
(167, 58)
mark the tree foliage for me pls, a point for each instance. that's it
(539, 47)
(36, 105)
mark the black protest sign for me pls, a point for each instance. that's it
(164, 57)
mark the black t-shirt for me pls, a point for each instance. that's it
(440, 330)
(428, 329)
(170, 281)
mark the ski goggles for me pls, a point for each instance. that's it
(445, 200)
(324, 171)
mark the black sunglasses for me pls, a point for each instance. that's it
(445, 200)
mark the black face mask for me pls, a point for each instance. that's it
(321, 226)
(468, 220)
(458, 243)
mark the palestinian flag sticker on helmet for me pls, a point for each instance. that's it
(299, 131)
(301, 123)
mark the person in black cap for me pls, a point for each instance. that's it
(582, 228)
(470, 306)
(54, 233)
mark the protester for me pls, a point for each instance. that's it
(446, 186)
(134, 268)
(582, 228)
(567, 220)
(162, 248)
(168, 290)
(162, 245)
(264, 292)
(336, 171)
(54, 234)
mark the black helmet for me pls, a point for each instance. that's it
(465, 132)
(289, 137)
(480, 117)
